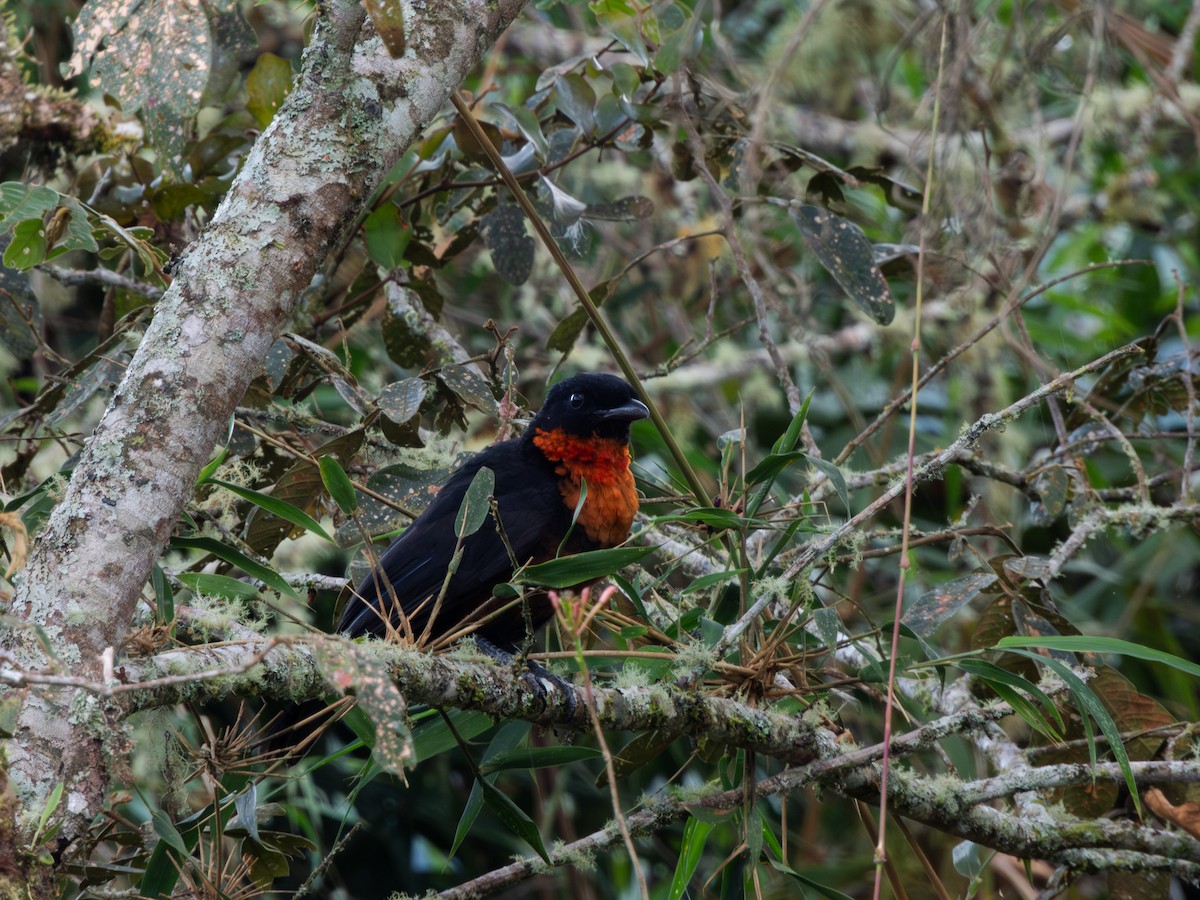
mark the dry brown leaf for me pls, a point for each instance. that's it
(1185, 815)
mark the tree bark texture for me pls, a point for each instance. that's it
(351, 114)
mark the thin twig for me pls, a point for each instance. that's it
(581, 294)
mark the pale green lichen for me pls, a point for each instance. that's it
(633, 675)
(694, 656)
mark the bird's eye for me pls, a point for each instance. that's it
(576, 400)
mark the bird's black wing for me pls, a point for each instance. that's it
(532, 513)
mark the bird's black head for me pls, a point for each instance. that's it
(590, 404)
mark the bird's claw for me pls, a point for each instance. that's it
(537, 677)
(543, 682)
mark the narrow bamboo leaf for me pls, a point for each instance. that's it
(434, 738)
(691, 848)
(337, 482)
(506, 739)
(791, 436)
(711, 579)
(162, 872)
(212, 466)
(823, 889)
(235, 557)
(515, 818)
(48, 810)
(163, 595)
(1081, 643)
(714, 517)
(473, 511)
(583, 491)
(993, 673)
(835, 478)
(281, 508)
(165, 829)
(218, 585)
(772, 465)
(537, 758)
(1089, 705)
(582, 567)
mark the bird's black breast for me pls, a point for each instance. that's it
(532, 513)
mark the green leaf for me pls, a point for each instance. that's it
(386, 235)
(435, 738)
(711, 579)
(474, 509)
(20, 201)
(47, 811)
(219, 586)
(212, 466)
(835, 478)
(337, 482)
(162, 872)
(576, 100)
(527, 123)
(537, 758)
(276, 507)
(626, 78)
(235, 557)
(772, 465)
(1089, 705)
(575, 513)
(163, 595)
(823, 889)
(165, 829)
(514, 818)
(691, 848)
(582, 567)
(565, 333)
(791, 435)
(28, 246)
(267, 86)
(505, 740)
(1080, 643)
(1007, 685)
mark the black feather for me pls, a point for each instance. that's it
(532, 513)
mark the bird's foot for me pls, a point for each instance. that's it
(544, 682)
(537, 677)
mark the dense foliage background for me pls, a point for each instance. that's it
(760, 197)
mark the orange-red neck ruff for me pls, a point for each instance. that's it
(603, 463)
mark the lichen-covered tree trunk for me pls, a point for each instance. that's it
(352, 112)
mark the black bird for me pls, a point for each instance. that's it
(580, 435)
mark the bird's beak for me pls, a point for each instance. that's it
(626, 412)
